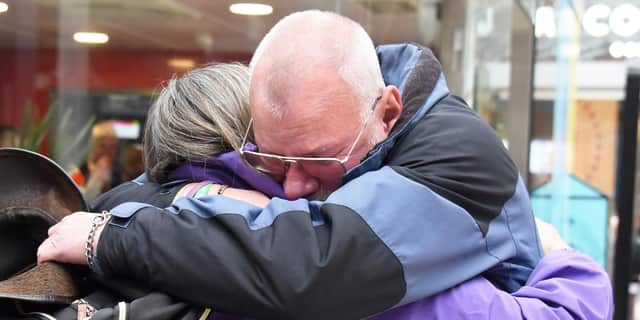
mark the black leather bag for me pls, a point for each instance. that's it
(35, 193)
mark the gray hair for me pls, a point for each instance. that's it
(307, 40)
(198, 115)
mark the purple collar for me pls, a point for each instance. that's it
(230, 169)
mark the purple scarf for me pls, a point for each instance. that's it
(230, 169)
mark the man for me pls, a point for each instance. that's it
(420, 193)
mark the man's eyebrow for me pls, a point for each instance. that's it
(268, 151)
(316, 152)
(319, 151)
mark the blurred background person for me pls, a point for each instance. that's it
(132, 163)
(102, 170)
(8, 137)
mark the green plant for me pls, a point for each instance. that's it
(33, 130)
(70, 143)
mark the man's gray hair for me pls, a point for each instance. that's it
(198, 115)
(309, 40)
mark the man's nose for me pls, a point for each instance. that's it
(298, 183)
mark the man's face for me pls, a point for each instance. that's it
(323, 120)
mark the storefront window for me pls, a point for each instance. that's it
(488, 65)
(498, 72)
(75, 73)
(529, 7)
(580, 80)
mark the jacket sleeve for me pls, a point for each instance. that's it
(565, 285)
(159, 195)
(354, 255)
(447, 207)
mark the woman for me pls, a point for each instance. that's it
(191, 133)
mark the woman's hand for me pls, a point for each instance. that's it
(549, 237)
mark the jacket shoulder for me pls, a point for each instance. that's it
(458, 155)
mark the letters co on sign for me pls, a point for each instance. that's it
(600, 20)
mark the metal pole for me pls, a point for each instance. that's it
(625, 183)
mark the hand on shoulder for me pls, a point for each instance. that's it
(549, 237)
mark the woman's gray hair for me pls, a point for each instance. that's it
(198, 115)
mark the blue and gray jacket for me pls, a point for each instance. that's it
(437, 203)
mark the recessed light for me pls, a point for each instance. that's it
(4, 7)
(91, 37)
(251, 9)
(182, 63)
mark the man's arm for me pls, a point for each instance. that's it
(265, 264)
(352, 256)
(565, 285)
(159, 195)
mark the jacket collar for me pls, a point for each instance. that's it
(418, 75)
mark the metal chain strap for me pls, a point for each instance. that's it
(97, 221)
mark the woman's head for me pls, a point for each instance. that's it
(103, 142)
(198, 115)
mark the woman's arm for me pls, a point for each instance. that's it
(565, 284)
(254, 197)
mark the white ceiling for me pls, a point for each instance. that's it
(197, 25)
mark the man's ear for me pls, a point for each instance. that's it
(390, 107)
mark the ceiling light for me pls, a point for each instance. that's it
(251, 9)
(90, 37)
(182, 63)
(3, 7)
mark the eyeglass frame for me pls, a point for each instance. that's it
(288, 161)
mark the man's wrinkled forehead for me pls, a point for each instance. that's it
(305, 89)
(309, 110)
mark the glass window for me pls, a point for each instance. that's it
(488, 60)
(70, 66)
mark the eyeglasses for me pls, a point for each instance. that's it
(277, 166)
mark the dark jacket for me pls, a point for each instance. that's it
(437, 203)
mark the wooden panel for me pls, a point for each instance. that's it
(594, 156)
